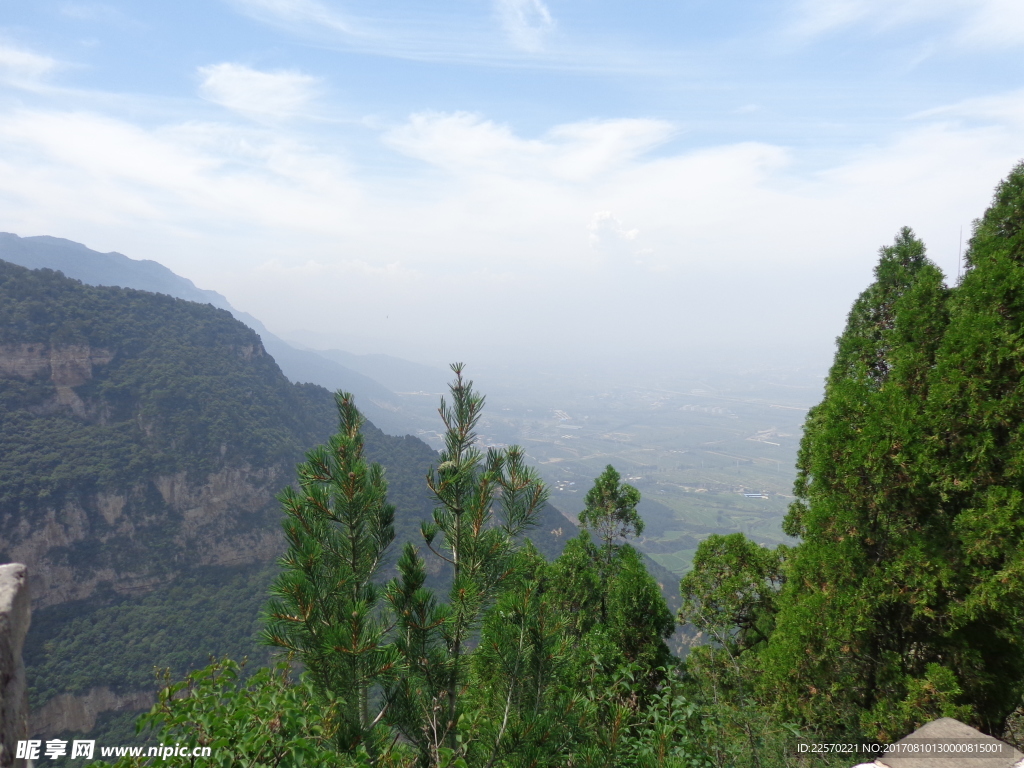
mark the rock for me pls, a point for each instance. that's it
(68, 712)
(14, 621)
(988, 752)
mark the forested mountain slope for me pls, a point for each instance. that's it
(75, 260)
(143, 440)
(140, 434)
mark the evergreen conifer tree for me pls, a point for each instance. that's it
(611, 510)
(527, 715)
(325, 605)
(730, 596)
(485, 501)
(639, 621)
(977, 456)
(856, 637)
(731, 591)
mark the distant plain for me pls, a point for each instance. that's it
(694, 444)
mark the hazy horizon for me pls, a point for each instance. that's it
(515, 182)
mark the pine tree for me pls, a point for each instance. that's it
(485, 502)
(731, 591)
(639, 621)
(730, 596)
(616, 659)
(525, 714)
(325, 605)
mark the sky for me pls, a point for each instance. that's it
(515, 180)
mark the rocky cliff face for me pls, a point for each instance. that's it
(14, 623)
(75, 542)
(227, 518)
(141, 438)
(67, 366)
(143, 441)
(78, 714)
(221, 518)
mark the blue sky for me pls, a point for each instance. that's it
(513, 178)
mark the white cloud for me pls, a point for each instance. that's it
(527, 23)
(22, 68)
(739, 236)
(610, 237)
(998, 22)
(252, 92)
(973, 23)
(818, 16)
(465, 142)
(1007, 108)
(588, 148)
(493, 33)
(192, 177)
(296, 12)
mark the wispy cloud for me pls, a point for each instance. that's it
(580, 216)
(22, 68)
(999, 22)
(1007, 108)
(527, 23)
(297, 12)
(463, 142)
(969, 22)
(251, 92)
(498, 33)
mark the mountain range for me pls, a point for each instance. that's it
(371, 378)
(145, 430)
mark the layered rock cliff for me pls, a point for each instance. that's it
(140, 434)
(142, 438)
(14, 623)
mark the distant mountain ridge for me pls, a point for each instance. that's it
(143, 439)
(94, 268)
(336, 370)
(400, 376)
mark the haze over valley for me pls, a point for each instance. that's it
(712, 448)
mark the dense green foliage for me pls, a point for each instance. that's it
(902, 602)
(507, 670)
(976, 405)
(266, 720)
(153, 389)
(484, 502)
(732, 591)
(610, 510)
(325, 606)
(117, 392)
(186, 388)
(104, 392)
(861, 617)
(118, 640)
